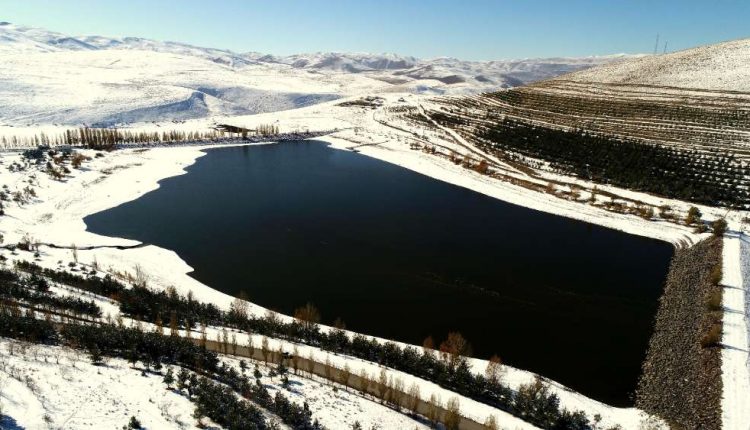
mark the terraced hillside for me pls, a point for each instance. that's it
(694, 119)
(702, 120)
(687, 143)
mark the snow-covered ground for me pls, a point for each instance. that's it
(204, 87)
(334, 406)
(735, 355)
(56, 216)
(49, 77)
(50, 387)
(722, 66)
(43, 387)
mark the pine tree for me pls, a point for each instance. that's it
(134, 424)
(182, 378)
(281, 369)
(169, 378)
(133, 356)
(95, 354)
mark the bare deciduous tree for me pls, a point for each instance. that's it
(328, 370)
(240, 306)
(433, 410)
(250, 347)
(295, 359)
(382, 384)
(159, 325)
(345, 374)
(397, 395)
(225, 340)
(452, 414)
(308, 315)
(454, 348)
(412, 401)
(364, 381)
(491, 423)
(494, 369)
(310, 363)
(173, 329)
(428, 345)
(140, 278)
(204, 336)
(264, 349)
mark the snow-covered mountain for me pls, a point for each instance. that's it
(502, 73)
(364, 62)
(340, 62)
(721, 66)
(15, 39)
(49, 77)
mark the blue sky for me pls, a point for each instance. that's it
(469, 29)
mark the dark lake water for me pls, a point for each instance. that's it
(403, 256)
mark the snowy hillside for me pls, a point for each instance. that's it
(693, 100)
(723, 66)
(48, 77)
(15, 39)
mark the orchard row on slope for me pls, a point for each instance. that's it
(710, 168)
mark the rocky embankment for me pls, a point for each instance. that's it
(681, 379)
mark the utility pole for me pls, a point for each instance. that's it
(665, 47)
(656, 45)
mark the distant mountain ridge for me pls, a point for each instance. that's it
(14, 37)
(119, 80)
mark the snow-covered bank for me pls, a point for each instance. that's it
(56, 214)
(735, 339)
(446, 171)
(56, 217)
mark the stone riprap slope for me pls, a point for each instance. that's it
(681, 380)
